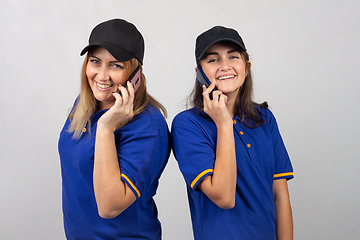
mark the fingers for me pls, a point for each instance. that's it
(118, 97)
(216, 107)
(207, 91)
(222, 98)
(131, 90)
(209, 94)
(216, 95)
(125, 95)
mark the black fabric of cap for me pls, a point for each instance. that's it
(215, 35)
(120, 38)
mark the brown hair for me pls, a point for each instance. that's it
(245, 107)
(86, 104)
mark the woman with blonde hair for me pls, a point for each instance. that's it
(114, 144)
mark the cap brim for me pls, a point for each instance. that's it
(220, 40)
(117, 52)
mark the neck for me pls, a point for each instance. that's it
(230, 103)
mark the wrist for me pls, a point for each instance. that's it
(225, 125)
(104, 129)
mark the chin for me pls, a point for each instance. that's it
(227, 91)
(103, 97)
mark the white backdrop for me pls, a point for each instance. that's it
(305, 64)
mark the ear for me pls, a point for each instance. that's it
(249, 64)
(195, 69)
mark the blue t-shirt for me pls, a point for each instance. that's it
(261, 158)
(143, 150)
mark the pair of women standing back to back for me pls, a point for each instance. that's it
(115, 145)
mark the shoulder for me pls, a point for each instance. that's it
(193, 124)
(269, 118)
(190, 117)
(150, 112)
(265, 112)
(149, 120)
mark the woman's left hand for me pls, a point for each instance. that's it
(121, 111)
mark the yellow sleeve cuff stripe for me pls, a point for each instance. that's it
(283, 174)
(131, 184)
(200, 176)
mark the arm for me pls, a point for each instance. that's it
(220, 187)
(284, 228)
(112, 195)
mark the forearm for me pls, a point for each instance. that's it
(221, 186)
(284, 228)
(110, 191)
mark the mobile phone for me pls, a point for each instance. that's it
(135, 78)
(203, 80)
(201, 77)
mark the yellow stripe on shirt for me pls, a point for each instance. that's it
(200, 176)
(283, 174)
(132, 185)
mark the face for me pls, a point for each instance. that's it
(104, 74)
(225, 67)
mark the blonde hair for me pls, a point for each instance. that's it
(86, 105)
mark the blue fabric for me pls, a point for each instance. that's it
(194, 137)
(143, 150)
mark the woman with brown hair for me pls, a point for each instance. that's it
(229, 148)
(114, 144)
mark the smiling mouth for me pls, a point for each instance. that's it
(226, 77)
(103, 86)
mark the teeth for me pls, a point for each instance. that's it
(103, 85)
(226, 77)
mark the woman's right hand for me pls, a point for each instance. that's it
(216, 108)
(220, 187)
(112, 194)
(121, 111)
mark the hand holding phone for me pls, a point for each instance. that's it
(134, 79)
(203, 80)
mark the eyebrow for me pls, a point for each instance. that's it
(116, 61)
(216, 53)
(92, 55)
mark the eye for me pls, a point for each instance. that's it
(234, 57)
(117, 66)
(93, 60)
(212, 60)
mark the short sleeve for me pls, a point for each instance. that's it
(283, 167)
(194, 147)
(143, 150)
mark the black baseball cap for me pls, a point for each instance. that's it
(215, 35)
(120, 38)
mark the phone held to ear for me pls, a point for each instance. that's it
(201, 77)
(203, 80)
(135, 78)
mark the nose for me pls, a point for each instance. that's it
(103, 74)
(225, 65)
